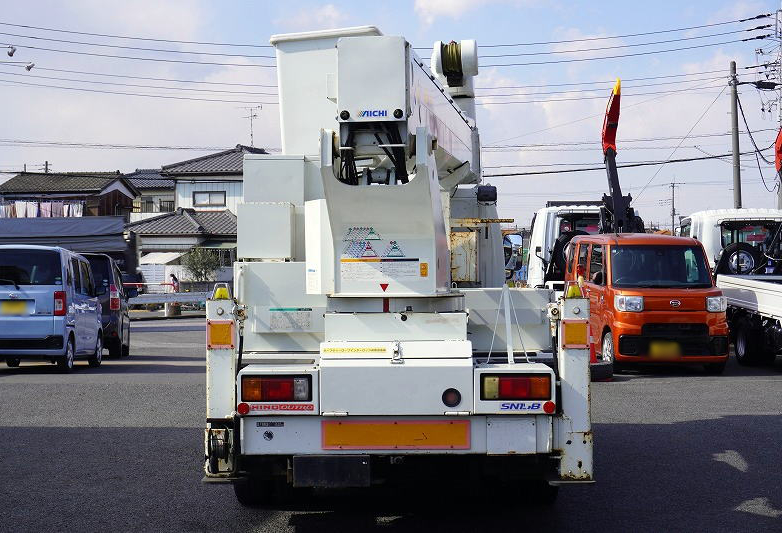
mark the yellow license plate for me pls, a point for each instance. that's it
(664, 350)
(13, 307)
(396, 434)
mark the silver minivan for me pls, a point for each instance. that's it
(49, 308)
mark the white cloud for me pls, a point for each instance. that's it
(327, 16)
(430, 10)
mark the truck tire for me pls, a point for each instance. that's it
(739, 258)
(558, 252)
(748, 344)
(115, 348)
(253, 491)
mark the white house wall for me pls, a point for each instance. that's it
(185, 190)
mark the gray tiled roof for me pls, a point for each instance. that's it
(226, 162)
(187, 222)
(149, 178)
(39, 182)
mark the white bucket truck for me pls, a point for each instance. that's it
(347, 351)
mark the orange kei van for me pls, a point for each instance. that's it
(652, 299)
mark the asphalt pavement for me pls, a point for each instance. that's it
(120, 448)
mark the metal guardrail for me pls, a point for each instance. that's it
(170, 297)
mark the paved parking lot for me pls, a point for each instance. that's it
(119, 448)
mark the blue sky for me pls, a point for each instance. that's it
(45, 113)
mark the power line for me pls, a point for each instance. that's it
(596, 89)
(123, 93)
(630, 45)
(708, 107)
(155, 59)
(134, 38)
(746, 125)
(611, 82)
(636, 140)
(112, 146)
(101, 82)
(656, 32)
(601, 97)
(175, 80)
(634, 54)
(166, 50)
(624, 165)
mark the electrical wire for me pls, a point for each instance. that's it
(708, 107)
(175, 80)
(123, 93)
(630, 45)
(601, 97)
(155, 59)
(634, 54)
(746, 125)
(100, 82)
(596, 89)
(166, 50)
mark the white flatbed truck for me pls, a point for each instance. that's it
(347, 352)
(754, 315)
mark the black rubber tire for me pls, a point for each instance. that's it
(747, 344)
(96, 357)
(253, 491)
(115, 348)
(12, 362)
(65, 363)
(724, 267)
(715, 369)
(558, 252)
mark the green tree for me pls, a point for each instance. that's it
(201, 263)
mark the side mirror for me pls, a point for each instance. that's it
(538, 249)
(597, 278)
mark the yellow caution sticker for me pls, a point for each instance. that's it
(363, 349)
(424, 267)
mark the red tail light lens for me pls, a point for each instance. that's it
(113, 298)
(60, 305)
(516, 387)
(276, 388)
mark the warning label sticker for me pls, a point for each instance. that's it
(379, 269)
(290, 318)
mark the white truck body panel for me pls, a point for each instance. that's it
(759, 294)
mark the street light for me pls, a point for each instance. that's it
(29, 66)
(11, 50)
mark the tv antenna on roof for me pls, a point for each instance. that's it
(252, 114)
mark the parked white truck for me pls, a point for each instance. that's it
(346, 353)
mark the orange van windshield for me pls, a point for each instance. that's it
(640, 266)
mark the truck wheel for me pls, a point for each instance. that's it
(115, 348)
(253, 491)
(12, 362)
(748, 344)
(739, 258)
(97, 357)
(65, 363)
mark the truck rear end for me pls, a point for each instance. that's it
(346, 355)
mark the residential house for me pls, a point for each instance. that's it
(163, 240)
(156, 193)
(66, 194)
(212, 182)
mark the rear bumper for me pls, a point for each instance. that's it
(36, 348)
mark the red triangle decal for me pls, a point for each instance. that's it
(384, 286)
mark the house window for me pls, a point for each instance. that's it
(209, 199)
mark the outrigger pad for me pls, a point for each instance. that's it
(331, 471)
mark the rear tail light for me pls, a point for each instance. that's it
(516, 387)
(113, 298)
(60, 305)
(276, 388)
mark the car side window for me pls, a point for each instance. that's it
(583, 251)
(596, 265)
(76, 275)
(87, 287)
(118, 281)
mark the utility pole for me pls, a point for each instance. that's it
(734, 119)
(673, 186)
(251, 114)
